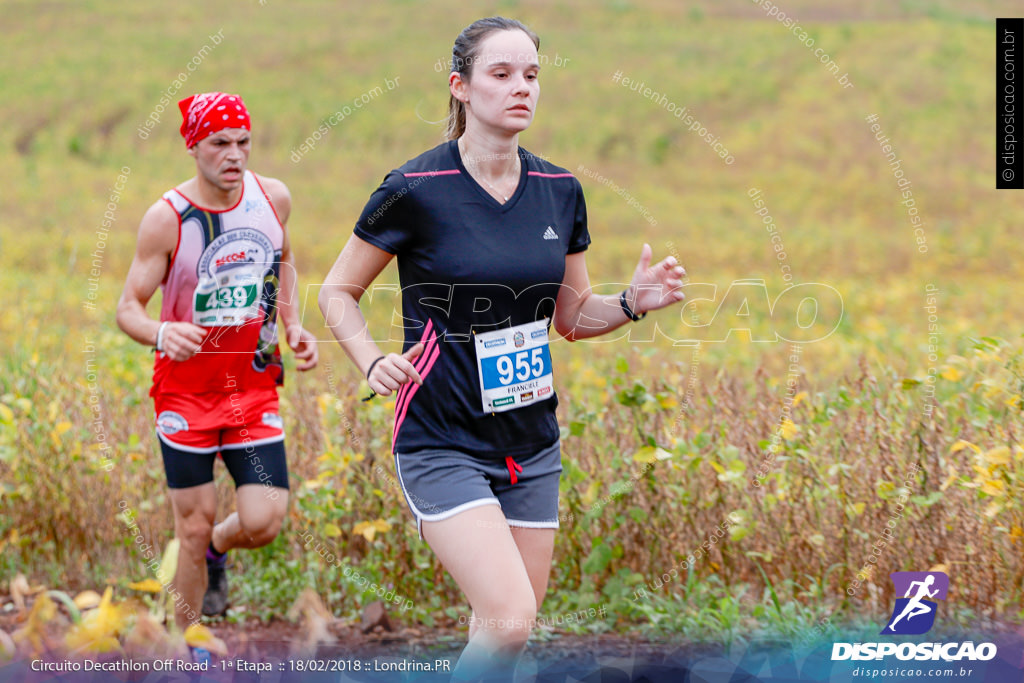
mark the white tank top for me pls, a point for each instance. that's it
(224, 274)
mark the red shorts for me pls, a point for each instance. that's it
(210, 422)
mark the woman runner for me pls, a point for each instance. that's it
(490, 242)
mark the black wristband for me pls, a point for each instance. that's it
(627, 310)
(374, 363)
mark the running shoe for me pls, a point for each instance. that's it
(215, 602)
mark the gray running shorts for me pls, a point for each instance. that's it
(441, 483)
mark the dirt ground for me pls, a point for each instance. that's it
(284, 651)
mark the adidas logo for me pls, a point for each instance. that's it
(550, 234)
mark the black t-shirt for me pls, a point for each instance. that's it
(468, 263)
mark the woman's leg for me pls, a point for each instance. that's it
(481, 553)
(536, 547)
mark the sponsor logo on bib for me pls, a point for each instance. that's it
(241, 248)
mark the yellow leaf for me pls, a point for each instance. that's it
(367, 530)
(7, 648)
(19, 589)
(169, 565)
(146, 586)
(952, 373)
(381, 525)
(993, 487)
(313, 483)
(788, 429)
(981, 471)
(953, 476)
(650, 454)
(799, 397)
(996, 456)
(940, 568)
(994, 508)
(961, 444)
(331, 530)
(98, 629)
(198, 635)
(44, 610)
(87, 600)
(6, 414)
(62, 427)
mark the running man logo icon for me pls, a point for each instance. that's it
(914, 613)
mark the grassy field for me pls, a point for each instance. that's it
(793, 458)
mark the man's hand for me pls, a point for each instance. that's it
(182, 340)
(303, 343)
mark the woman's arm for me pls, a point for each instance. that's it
(579, 313)
(358, 264)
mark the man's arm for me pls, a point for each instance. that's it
(302, 342)
(158, 237)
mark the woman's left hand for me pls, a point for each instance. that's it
(656, 286)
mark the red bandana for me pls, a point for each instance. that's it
(210, 112)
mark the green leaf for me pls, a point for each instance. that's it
(572, 475)
(598, 559)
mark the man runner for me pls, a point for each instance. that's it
(218, 247)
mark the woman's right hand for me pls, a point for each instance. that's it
(394, 370)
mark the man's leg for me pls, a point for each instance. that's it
(194, 511)
(256, 522)
(254, 455)
(253, 451)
